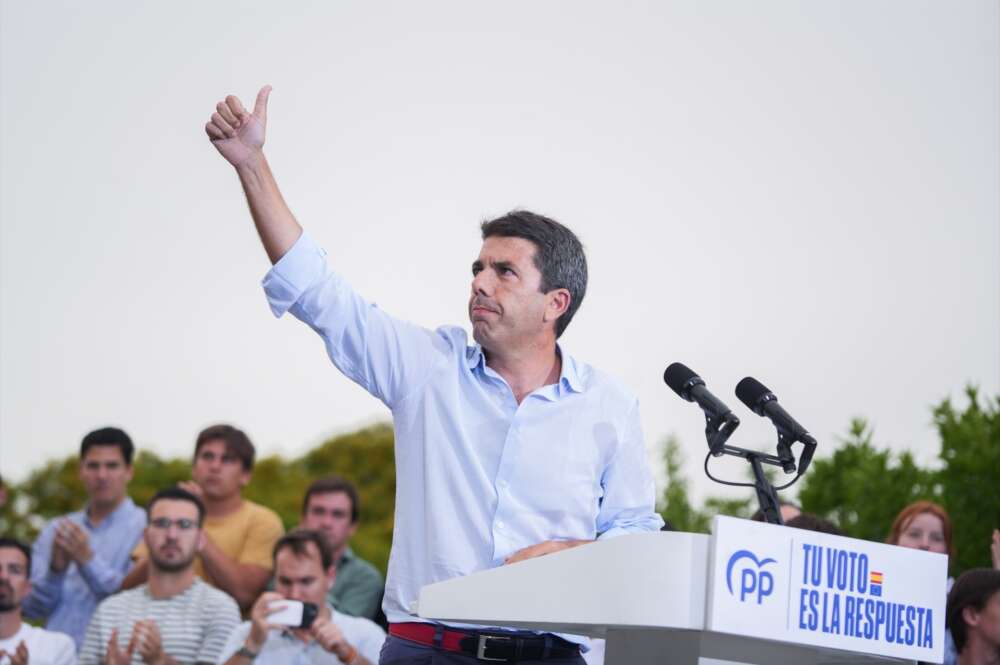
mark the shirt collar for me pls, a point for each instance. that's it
(569, 377)
(124, 506)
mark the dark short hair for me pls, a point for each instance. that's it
(331, 485)
(758, 515)
(298, 541)
(14, 543)
(973, 588)
(237, 443)
(177, 494)
(108, 436)
(559, 254)
(811, 522)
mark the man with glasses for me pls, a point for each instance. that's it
(81, 558)
(331, 507)
(239, 534)
(175, 617)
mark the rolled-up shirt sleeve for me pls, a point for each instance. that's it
(628, 504)
(387, 357)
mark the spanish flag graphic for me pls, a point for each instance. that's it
(875, 583)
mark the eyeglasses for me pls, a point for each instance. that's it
(164, 523)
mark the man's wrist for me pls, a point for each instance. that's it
(247, 652)
(252, 164)
(252, 645)
(346, 653)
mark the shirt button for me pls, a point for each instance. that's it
(502, 484)
(500, 525)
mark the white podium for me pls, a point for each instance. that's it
(750, 593)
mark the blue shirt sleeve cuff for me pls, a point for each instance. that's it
(294, 272)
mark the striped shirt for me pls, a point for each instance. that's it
(194, 625)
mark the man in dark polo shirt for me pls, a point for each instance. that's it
(331, 507)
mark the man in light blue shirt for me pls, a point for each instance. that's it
(506, 448)
(81, 558)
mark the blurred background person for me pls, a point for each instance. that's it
(924, 525)
(82, 557)
(973, 616)
(22, 643)
(331, 507)
(304, 571)
(239, 534)
(175, 617)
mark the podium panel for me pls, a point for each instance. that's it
(751, 593)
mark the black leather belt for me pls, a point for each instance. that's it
(488, 647)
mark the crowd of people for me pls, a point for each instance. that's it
(114, 583)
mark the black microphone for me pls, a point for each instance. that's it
(764, 403)
(721, 421)
(691, 387)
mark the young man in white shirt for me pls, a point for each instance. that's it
(304, 572)
(21, 643)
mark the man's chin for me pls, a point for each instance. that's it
(172, 565)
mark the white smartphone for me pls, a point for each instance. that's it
(293, 613)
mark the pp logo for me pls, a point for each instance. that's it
(753, 580)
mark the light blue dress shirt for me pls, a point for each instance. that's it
(69, 598)
(478, 476)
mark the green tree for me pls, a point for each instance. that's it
(676, 507)
(862, 488)
(970, 479)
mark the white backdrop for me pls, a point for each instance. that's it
(805, 192)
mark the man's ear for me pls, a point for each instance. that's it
(970, 615)
(559, 300)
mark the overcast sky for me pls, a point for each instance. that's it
(804, 192)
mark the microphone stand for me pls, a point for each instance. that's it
(767, 496)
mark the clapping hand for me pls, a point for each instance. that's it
(115, 656)
(74, 541)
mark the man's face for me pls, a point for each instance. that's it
(219, 473)
(302, 577)
(924, 532)
(330, 514)
(173, 536)
(14, 579)
(506, 307)
(105, 474)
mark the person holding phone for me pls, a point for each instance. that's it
(294, 623)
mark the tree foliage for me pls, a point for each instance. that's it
(861, 488)
(675, 506)
(970, 477)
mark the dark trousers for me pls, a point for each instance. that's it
(397, 651)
